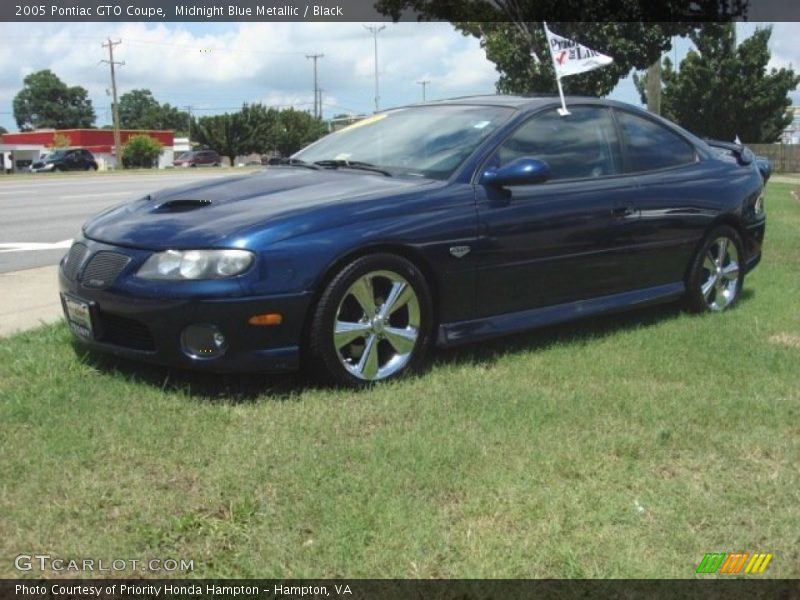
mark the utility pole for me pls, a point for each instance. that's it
(317, 103)
(114, 108)
(424, 83)
(189, 133)
(375, 30)
(653, 87)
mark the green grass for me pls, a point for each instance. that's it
(626, 446)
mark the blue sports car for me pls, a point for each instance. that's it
(442, 223)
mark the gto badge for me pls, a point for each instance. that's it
(460, 251)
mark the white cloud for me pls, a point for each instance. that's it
(217, 67)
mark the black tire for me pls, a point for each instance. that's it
(328, 362)
(703, 271)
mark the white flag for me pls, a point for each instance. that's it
(571, 58)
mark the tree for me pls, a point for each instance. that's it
(261, 121)
(722, 91)
(634, 32)
(140, 151)
(3, 130)
(228, 134)
(295, 129)
(46, 101)
(138, 109)
(256, 128)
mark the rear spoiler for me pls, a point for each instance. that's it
(744, 156)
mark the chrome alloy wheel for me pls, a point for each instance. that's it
(377, 325)
(720, 274)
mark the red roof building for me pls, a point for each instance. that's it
(96, 141)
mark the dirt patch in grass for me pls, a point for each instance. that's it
(790, 340)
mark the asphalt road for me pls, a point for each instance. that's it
(40, 214)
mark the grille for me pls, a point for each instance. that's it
(125, 332)
(75, 257)
(103, 269)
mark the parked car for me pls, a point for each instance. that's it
(437, 224)
(65, 159)
(198, 158)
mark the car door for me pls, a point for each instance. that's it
(70, 160)
(673, 197)
(568, 238)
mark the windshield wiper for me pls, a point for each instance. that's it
(351, 164)
(296, 162)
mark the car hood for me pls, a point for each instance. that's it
(287, 200)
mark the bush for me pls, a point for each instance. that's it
(141, 151)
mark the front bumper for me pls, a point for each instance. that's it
(149, 329)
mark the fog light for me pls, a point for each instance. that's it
(203, 341)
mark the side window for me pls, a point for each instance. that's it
(582, 144)
(652, 146)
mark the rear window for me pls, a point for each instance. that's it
(651, 146)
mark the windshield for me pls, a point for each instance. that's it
(56, 154)
(186, 155)
(426, 141)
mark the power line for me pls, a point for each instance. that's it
(115, 114)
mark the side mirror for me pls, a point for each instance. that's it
(521, 171)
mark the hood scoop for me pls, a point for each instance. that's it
(176, 206)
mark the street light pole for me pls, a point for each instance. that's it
(424, 83)
(375, 30)
(317, 102)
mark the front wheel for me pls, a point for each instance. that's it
(717, 272)
(373, 322)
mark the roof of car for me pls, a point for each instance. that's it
(518, 102)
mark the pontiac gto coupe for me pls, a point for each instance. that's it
(442, 223)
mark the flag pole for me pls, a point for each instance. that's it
(563, 110)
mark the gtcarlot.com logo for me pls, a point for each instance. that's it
(45, 562)
(734, 563)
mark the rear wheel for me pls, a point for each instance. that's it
(372, 322)
(717, 272)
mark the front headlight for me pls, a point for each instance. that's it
(177, 265)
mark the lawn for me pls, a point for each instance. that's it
(625, 446)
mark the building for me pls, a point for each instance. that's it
(27, 146)
(791, 135)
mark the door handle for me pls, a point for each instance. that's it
(623, 211)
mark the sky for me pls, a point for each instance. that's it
(215, 67)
